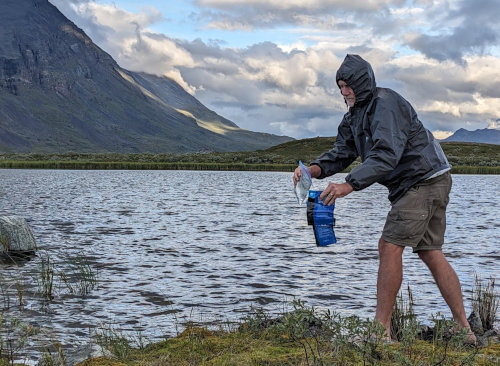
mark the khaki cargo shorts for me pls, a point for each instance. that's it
(418, 219)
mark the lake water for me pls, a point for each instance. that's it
(174, 246)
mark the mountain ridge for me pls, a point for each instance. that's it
(485, 136)
(60, 92)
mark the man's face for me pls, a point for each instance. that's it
(347, 93)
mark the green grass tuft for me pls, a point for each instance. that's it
(485, 302)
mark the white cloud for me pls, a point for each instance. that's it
(446, 89)
(495, 124)
(441, 135)
(312, 6)
(126, 36)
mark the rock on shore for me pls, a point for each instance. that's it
(16, 236)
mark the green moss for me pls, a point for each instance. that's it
(199, 346)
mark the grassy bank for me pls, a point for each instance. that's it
(131, 165)
(199, 346)
(466, 158)
(307, 336)
(303, 336)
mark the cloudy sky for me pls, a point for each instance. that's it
(269, 65)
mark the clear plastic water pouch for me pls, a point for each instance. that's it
(303, 184)
(321, 217)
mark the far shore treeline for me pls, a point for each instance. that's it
(466, 158)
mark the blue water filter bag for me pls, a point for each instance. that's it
(321, 217)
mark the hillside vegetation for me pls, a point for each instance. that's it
(465, 157)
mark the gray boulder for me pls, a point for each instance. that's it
(16, 235)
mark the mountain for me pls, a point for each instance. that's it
(485, 135)
(60, 92)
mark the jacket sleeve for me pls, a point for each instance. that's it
(389, 124)
(341, 156)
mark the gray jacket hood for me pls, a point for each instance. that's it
(358, 74)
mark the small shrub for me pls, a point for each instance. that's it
(53, 356)
(81, 278)
(403, 317)
(113, 342)
(485, 302)
(14, 336)
(5, 295)
(45, 280)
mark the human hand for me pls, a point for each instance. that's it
(314, 171)
(334, 191)
(296, 175)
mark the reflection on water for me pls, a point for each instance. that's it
(203, 246)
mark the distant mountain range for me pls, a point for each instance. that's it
(60, 92)
(485, 135)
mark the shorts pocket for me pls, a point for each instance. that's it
(408, 225)
(417, 215)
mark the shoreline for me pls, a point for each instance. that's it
(304, 336)
(465, 158)
(202, 166)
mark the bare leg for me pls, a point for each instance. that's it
(390, 276)
(447, 282)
